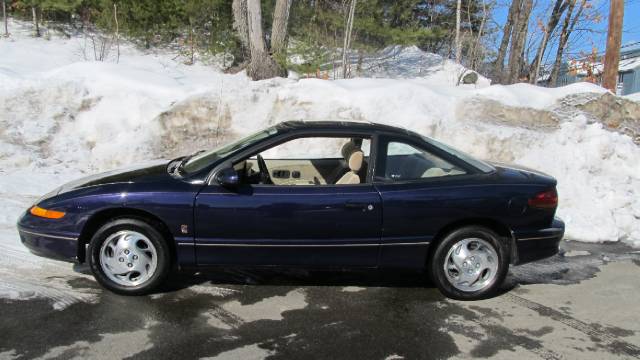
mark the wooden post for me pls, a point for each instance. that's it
(614, 39)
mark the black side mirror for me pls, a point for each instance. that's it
(228, 177)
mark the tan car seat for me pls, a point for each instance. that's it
(354, 157)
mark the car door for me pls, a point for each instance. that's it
(316, 224)
(329, 225)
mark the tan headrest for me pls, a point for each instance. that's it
(355, 160)
(347, 149)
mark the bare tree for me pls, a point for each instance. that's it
(347, 38)
(556, 13)
(475, 51)
(568, 25)
(262, 65)
(518, 37)
(4, 17)
(279, 28)
(117, 33)
(458, 43)
(240, 24)
(504, 43)
(34, 14)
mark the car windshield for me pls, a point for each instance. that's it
(481, 165)
(202, 160)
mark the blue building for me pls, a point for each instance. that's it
(584, 70)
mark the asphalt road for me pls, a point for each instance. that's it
(579, 305)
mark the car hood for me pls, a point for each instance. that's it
(524, 174)
(148, 171)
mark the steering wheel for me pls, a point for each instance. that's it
(265, 178)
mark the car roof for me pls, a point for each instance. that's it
(347, 126)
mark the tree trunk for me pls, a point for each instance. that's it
(262, 66)
(458, 47)
(4, 17)
(240, 24)
(504, 44)
(476, 46)
(347, 39)
(567, 28)
(36, 31)
(117, 34)
(518, 38)
(559, 7)
(279, 28)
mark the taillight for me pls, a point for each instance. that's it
(545, 200)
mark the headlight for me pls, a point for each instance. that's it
(49, 214)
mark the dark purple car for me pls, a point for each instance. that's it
(311, 194)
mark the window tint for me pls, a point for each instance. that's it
(407, 162)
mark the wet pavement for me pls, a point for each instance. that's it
(581, 304)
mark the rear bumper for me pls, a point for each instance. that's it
(54, 246)
(539, 244)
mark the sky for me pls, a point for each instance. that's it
(582, 42)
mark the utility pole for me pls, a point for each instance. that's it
(614, 39)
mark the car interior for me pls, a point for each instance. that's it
(309, 161)
(338, 161)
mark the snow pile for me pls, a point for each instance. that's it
(407, 62)
(634, 96)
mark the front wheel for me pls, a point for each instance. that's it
(129, 256)
(470, 263)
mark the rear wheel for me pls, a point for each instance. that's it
(128, 256)
(469, 263)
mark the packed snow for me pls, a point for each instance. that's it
(62, 116)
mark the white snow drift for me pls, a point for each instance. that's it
(62, 116)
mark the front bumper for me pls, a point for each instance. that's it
(55, 246)
(539, 244)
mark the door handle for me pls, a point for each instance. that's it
(359, 205)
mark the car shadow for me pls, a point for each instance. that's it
(296, 277)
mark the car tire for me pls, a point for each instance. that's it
(133, 245)
(470, 263)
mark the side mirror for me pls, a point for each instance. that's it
(228, 177)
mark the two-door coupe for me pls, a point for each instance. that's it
(314, 194)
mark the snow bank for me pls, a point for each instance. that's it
(634, 96)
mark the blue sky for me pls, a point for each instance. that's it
(583, 41)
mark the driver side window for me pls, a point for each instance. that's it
(309, 161)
